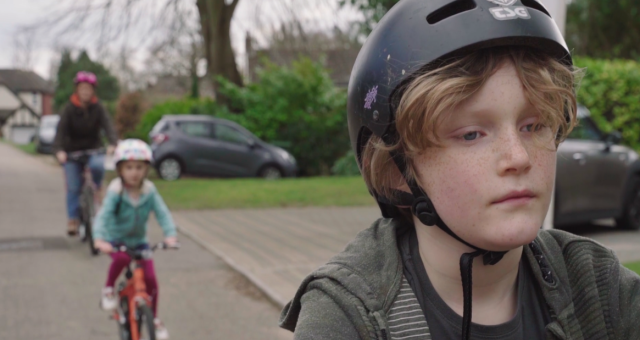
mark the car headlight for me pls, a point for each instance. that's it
(286, 156)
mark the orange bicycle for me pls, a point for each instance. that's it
(134, 314)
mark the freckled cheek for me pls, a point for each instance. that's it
(454, 185)
(544, 163)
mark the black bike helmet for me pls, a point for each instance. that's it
(414, 35)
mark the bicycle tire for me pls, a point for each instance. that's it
(87, 212)
(124, 329)
(145, 322)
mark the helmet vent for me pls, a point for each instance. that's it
(535, 5)
(449, 10)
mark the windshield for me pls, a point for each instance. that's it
(50, 123)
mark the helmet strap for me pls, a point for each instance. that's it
(425, 211)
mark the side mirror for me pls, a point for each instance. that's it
(611, 139)
(615, 137)
(252, 144)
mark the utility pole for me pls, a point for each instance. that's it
(558, 10)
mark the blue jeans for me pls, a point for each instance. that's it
(74, 172)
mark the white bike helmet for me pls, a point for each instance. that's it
(133, 150)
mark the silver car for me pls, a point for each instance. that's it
(596, 178)
(203, 145)
(46, 133)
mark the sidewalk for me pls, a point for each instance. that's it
(277, 248)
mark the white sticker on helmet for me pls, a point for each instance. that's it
(509, 13)
(503, 2)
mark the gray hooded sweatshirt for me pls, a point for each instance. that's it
(591, 296)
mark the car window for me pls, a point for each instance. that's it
(585, 130)
(49, 123)
(159, 127)
(228, 134)
(196, 129)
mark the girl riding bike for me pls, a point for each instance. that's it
(79, 129)
(123, 221)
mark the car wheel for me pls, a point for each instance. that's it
(270, 172)
(630, 219)
(170, 169)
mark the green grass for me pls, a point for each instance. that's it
(203, 193)
(28, 148)
(635, 266)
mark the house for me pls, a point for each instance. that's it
(338, 52)
(24, 98)
(175, 87)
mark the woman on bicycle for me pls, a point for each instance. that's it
(79, 129)
(123, 221)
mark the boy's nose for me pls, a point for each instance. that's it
(514, 156)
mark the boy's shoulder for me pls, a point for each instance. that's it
(368, 270)
(569, 245)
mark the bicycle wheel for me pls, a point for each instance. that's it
(87, 217)
(124, 327)
(146, 327)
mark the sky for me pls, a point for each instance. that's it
(256, 16)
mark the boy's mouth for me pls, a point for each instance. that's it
(516, 196)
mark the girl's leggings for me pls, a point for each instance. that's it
(120, 261)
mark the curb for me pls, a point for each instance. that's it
(271, 295)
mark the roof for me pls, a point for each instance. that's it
(20, 81)
(202, 118)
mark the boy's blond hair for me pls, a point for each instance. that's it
(548, 84)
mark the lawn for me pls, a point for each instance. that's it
(635, 266)
(28, 148)
(204, 193)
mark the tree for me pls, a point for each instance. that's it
(129, 111)
(215, 22)
(604, 29)
(373, 11)
(136, 23)
(107, 90)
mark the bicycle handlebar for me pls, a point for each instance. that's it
(141, 253)
(84, 153)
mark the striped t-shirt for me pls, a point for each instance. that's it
(406, 319)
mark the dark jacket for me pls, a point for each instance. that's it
(80, 128)
(591, 297)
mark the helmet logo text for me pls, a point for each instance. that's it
(371, 97)
(503, 2)
(509, 13)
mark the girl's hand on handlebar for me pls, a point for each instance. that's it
(171, 242)
(104, 247)
(61, 156)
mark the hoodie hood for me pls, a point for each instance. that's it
(357, 270)
(75, 100)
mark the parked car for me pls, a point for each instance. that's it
(596, 177)
(203, 145)
(46, 133)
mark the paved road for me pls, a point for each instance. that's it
(49, 285)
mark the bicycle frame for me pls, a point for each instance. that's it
(135, 291)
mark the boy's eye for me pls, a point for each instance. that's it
(471, 135)
(533, 127)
